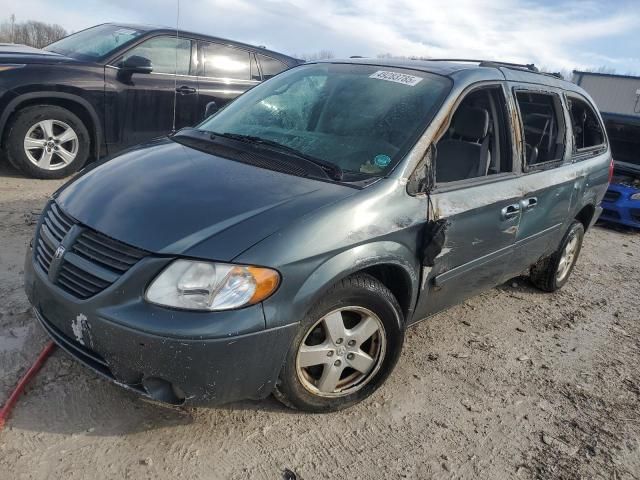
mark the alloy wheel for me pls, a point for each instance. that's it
(51, 144)
(341, 352)
(567, 258)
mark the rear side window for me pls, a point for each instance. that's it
(587, 131)
(543, 126)
(222, 61)
(270, 66)
(167, 54)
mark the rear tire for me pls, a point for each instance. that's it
(47, 141)
(551, 273)
(345, 348)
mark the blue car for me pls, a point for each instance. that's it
(621, 203)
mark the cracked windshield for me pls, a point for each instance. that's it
(360, 117)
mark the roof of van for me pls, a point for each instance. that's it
(491, 70)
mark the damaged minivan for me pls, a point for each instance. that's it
(285, 244)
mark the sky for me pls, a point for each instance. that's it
(558, 35)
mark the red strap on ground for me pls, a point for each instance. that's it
(26, 378)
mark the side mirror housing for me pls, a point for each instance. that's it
(210, 109)
(136, 64)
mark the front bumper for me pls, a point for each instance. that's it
(172, 356)
(621, 209)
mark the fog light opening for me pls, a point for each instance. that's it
(163, 391)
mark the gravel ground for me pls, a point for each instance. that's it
(514, 383)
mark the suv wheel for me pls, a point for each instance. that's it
(552, 273)
(345, 348)
(46, 141)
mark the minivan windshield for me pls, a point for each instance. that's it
(94, 43)
(362, 118)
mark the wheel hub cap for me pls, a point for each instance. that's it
(567, 259)
(341, 352)
(51, 144)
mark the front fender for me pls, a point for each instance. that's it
(323, 275)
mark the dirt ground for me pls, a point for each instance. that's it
(514, 383)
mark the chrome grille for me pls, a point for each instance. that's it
(55, 225)
(92, 260)
(107, 253)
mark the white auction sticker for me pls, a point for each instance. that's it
(396, 77)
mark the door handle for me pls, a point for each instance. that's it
(529, 203)
(511, 211)
(184, 90)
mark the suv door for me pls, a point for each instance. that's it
(547, 185)
(475, 195)
(141, 106)
(225, 73)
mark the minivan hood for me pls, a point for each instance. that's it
(171, 199)
(15, 53)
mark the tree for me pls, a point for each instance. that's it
(32, 33)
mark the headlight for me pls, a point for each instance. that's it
(196, 285)
(635, 196)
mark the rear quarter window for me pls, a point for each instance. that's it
(270, 66)
(586, 127)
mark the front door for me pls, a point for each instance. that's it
(226, 72)
(475, 195)
(141, 106)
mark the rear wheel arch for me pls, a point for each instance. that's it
(77, 105)
(585, 215)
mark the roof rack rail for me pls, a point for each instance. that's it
(490, 63)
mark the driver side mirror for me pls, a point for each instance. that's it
(136, 64)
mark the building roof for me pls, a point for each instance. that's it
(598, 74)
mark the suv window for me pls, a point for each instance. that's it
(587, 131)
(226, 62)
(476, 143)
(167, 54)
(270, 66)
(255, 73)
(542, 125)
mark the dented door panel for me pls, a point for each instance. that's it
(479, 240)
(542, 224)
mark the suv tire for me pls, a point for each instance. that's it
(366, 324)
(551, 273)
(47, 141)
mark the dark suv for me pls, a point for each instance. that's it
(112, 86)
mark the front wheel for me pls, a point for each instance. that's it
(345, 348)
(551, 273)
(47, 141)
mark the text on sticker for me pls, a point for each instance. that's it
(403, 78)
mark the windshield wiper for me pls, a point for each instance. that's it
(334, 171)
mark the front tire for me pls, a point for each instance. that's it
(551, 273)
(345, 348)
(47, 141)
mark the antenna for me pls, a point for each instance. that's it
(175, 70)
